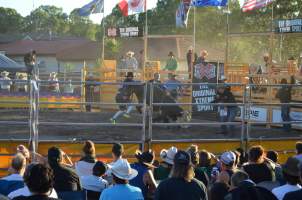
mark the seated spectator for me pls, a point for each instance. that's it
(30, 156)
(291, 174)
(273, 156)
(122, 173)
(25, 190)
(218, 191)
(164, 169)
(227, 168)
(117, 156)
(84, 166)
(243, 157)
(200, 174)
(65, 179)
(40, 183)
(15, 180)
(258, 168)
(182, 184)
(95, 182)
(173, 86)
(299, 151)
(145, 179)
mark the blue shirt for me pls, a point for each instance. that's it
(172, 85)
(121, 191)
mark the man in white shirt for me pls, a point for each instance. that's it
(95, 182)
(5, 81)
(291, 173)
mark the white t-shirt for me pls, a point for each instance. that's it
(281, 191)
(25, 192)
(13, 177)
(5, 85)
(84, 168)
(93, 183)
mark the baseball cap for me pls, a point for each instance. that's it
(228, 157)
(182, 157)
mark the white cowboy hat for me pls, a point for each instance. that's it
(168, 155)
(131, 53)
(5, 73)
(122, 170)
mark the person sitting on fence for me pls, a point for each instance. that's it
(14, 181)
(40, 182)
(171, 64)
(202, 58)
(131, 62)
(53, 83)
(124, 96)
(5, 82)
(69, 88)
(173, 86)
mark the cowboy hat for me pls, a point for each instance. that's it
(168, 155)
(123, 170)
(146, 157)
(130, 53)
(4, 73)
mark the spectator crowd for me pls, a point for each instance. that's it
(190, 174)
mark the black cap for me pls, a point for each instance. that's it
(182, 157)
(130, 74)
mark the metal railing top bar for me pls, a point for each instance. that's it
(91, 103)
(89, 124)
(195, 140)
(14, 122)
(261, 123)
(207, 84)
(214, 104)
(197, 124)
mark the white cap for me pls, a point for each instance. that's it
(168, 155)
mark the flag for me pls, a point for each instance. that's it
(255, 4)
(131, 7)
(202, 3)
(182, 13)
(95, 6)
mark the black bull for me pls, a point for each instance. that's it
(167, 112)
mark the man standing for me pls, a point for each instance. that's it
(284, 95)
(30, 62)
(131, 62)
(5, 81)
(171, 64)
(191, 59)
(202, 58)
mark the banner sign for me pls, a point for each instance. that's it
(288, 26)
(124, 32)
(255, 114)
(295, 116)
(203, 94)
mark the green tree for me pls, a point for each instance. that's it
(10, 21)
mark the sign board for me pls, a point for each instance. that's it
(124, 32)
(295, 116)
(288, 26)
(203, 94)
(256, 114)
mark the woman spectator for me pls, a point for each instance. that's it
(84, 166)
(145, 179)
(258, 168)
(205, 161)
(164, 169)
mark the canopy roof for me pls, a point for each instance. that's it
(7, 64)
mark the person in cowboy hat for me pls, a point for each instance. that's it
(164, 169)
(54, 82)
(171, 64)
(131, 62)
(124, 96)
(145, 179)
(5, 81)
(122, 173)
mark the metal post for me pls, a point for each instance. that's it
(145, 41)
(248, 113)
(151, 112)
(243, 124)
(144, 116)
(194, 30)
(103, 38)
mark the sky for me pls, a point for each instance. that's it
(24, 7)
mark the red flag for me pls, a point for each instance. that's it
(130, 7)
(255, 4)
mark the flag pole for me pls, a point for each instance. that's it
(194, 30)
(145, 40)
(103, 38)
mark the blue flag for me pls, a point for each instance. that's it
(202, 3)
(182, 13)
(95, 6)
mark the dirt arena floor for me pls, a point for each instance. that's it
(116, 133)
